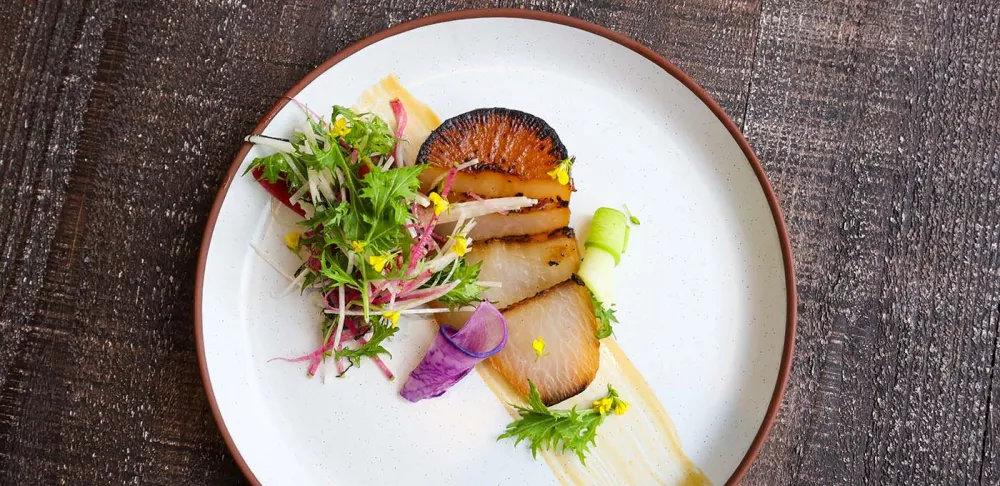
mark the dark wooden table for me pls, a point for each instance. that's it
(877, 122)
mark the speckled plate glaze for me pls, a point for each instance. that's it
(706, 299)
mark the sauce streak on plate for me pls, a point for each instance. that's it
(640, 447)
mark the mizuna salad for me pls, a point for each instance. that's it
(367, 241)
(471, 230)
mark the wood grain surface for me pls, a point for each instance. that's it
(877, 122)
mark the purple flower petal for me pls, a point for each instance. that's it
(455, 352)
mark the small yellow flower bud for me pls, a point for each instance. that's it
(292, 240)
(378, 262)
(440, 203)
(461, 246)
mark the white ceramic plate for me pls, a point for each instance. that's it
(706, 297)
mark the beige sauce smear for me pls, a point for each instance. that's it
(640, 447)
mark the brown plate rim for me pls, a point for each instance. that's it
(772, 201)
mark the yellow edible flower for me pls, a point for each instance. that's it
(393, 317)
(358, 246)
(461, 246)
(378, 262)
(603, 406)
(539, 346)
(292, 240)
(440, 203)
(340, 127)
(561, 173)
(620, 406)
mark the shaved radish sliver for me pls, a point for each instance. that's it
(296, 282)
(267, 259)
(454, 171)
(418, 251)
(279, 144)
(315, 358)
(378, 361)
(340, 297)
(398, 111)
(416, 283)
(423, 296)
(475, 209)
(308, 110)
(449, 181)
(318, 353)
(413, 299)
(339, 362)
(477, 197)
(404, 312)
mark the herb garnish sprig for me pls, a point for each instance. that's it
(561, 430)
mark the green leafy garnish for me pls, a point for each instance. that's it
(381, 330)
(377, 204)
(322, 149)
(468, 291)
(561, 430)
(274, 167)
(606, 316)
(368, 133)
(383, 188)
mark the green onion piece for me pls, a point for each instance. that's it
(604, 247)
(597, 271)
(607, 232)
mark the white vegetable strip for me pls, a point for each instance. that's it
(310, 139)
(340, 181)
(456, 229)
(475, 209)
(405, 312)
(326, 185)
(451, 272)
(332, 179)
(437, 180)
(340, 304)
(267, 259)
(313, 187)
(307, 208)
(466, 165)
(296, 282)
(294, 198)
(293, 166)
(279, 145)
(444, 259)
(432, 296)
